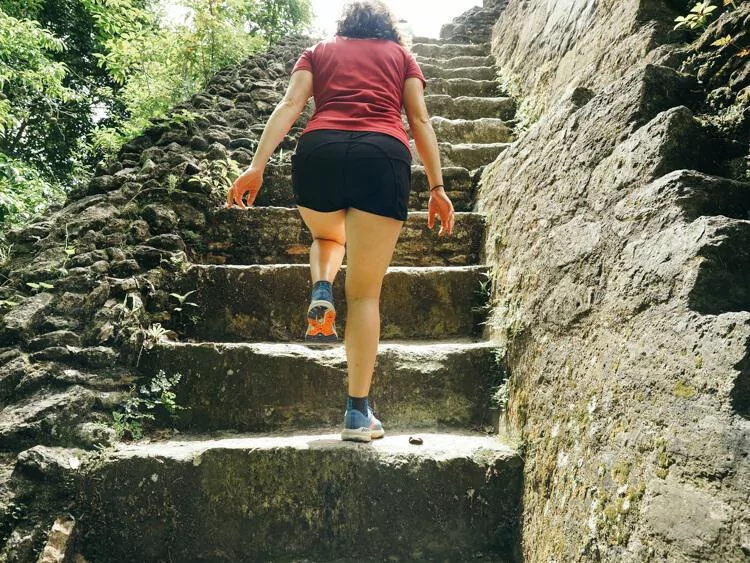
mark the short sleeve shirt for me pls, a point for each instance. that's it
(358, 84)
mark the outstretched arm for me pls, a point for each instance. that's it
(283, 117)
(427, 147)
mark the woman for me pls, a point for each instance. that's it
(351, 175)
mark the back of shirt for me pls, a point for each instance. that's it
(358, 84)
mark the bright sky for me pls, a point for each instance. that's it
(424, 16)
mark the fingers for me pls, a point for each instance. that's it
(447, 221)
(430, 219)
(447, 227)
(251, 195)
(240, 203)
(236, 194)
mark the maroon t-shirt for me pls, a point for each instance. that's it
(358, 84)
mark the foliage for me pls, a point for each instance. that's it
(144, 405)
(722, 41)
(158, 66)
(27, 72)
(274, 19)
(6, 253)
(182, 299)
(31, 89)
(501, 396)
(38, 286)
(219, 174)
(54, 129)
(79, 78)
(153, 334)
(24, 191)
(698, 16)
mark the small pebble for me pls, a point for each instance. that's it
(415, 441)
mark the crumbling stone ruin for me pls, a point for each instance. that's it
(580, 348)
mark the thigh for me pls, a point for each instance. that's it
(325, 225)
(371, 240)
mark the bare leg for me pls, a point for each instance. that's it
(370, 243)
(329, 237)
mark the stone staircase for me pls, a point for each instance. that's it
(251, 476)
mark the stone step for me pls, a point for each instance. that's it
(483, 130)
(458, 62)
(458, 185)
(276, 235)
(285, 386)
(470, 107)
(475, 25)
(430, 40)
(450, 50)
(473, 72)
(286, 498)
(463, 87)
(465, 155)
(277, 188)
(249, 303)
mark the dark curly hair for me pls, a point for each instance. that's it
(368, 19)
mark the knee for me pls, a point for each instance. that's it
(354, 301)
(327, 240)
(362, 293)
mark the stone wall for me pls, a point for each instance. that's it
(547, 49)
(474, 25)
(619, 240)
(86, 280)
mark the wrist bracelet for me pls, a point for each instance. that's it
(436, 187)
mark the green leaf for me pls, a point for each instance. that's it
(726, 40)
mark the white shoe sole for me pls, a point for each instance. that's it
(361, 434)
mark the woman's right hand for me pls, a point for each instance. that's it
(440, 205)
(248, 183)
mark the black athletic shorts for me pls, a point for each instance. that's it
(333, 170)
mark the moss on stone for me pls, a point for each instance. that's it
(620, 472)
(683, 390)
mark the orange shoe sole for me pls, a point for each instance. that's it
(321, 323)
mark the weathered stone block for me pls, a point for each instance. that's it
(260, 387)
(456, 62)
(241, 498)
(160, 218)
(450, 50)
(465, 155)
(475, 73)
(277, 235)
(59, 546)
(483, 130)
(690, 519)
(56, 338)
(723, 280)
(22, 320)
(267, 302)
(463, 87)
(468, 107)
(44, 417)
(458, 185)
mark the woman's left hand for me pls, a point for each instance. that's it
(249, 182)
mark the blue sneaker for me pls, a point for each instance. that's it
(361, 428)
